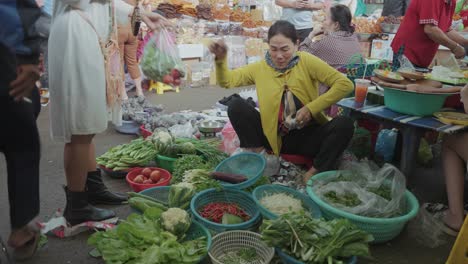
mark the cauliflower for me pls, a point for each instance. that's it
(176, 221)
(181, 194)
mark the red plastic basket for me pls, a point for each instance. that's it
(145, 133)
(138, 187)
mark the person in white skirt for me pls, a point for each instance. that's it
(79, 103)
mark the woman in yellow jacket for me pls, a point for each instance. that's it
(291, 120)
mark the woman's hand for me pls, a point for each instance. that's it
(318, 30)
(303, 116)
(154, 20)
(219, 49)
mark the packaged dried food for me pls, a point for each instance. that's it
(211, 27)
(223, 27)
(250, 32)
(235, 28)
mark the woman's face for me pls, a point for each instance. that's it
(329, 25)
(282, 50)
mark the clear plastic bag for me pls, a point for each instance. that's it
(427, 230)
(183, 131)
(230, 140)
(161, 61)
(364, 189)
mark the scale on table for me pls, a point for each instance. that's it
(209, 128)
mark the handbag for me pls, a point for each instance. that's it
(111, 52)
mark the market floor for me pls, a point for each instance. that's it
(75, 250)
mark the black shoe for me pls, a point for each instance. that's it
(98, 192)
(78, 210)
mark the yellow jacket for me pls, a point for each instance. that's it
(302, 80)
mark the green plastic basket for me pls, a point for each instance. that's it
(241, 198)
(412, 103)
(270, 189)
(160, 193)
(251, 165)
(383, 229)
(166, 163)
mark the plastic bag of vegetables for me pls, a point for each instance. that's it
(161, 61)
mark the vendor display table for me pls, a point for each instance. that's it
(412, 128)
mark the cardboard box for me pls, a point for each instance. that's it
(381, 48)
(190, 51)
(365, 48)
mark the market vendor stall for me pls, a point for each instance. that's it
(412, 127)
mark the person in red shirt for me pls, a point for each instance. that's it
(427, 24)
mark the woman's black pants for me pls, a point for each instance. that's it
(324, 143)
(19, 142)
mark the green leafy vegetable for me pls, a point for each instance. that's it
(140, 239)
(186, 163)
(347, 199)
(241, 256)
(314, 241)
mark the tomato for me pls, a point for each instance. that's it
(175, 74)
(168, 79)
(148, 182)
(155, 176)
(146, 172)
(139, 179)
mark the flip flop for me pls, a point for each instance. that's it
(28, 250)
(438, 211)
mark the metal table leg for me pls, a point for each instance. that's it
(411, 138)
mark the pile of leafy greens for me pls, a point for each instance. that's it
(316, 241)
(141, 239)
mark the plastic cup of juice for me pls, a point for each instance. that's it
(360, 92)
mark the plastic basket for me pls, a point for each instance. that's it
(237, 240)
(251, 165)
(128, 127)
(383, 229)
(114, 174)
(269, 189)
(286, 259)
(197, 230)
(160, 193)
(138, 187)
(241, 198)
(412, 103)
(166, 163)
(145, 133)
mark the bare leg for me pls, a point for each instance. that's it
(77, 159)
(92, 165)
(309, 174)
(123, 92)
(139, 89)
(454, 155)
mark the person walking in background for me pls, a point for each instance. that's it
(396, 8)
(128, 45)
(300, 14)
(19, 108)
